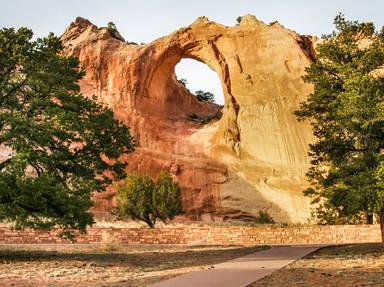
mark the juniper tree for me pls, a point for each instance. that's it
(58, 146)
(140, 198)
(346, 110)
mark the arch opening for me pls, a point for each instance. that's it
(200, 80)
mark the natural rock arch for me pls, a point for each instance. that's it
(197, 76)
(254, 157)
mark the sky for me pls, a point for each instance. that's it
(147, 20)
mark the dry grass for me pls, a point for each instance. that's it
(341, 266)
(106, 264)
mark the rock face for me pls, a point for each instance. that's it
(253, 158)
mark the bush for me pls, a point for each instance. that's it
(140, 198)
(166, 199)
(200, 95)
(204, 96)
(265, 217)
(111, 27)
(184, 82)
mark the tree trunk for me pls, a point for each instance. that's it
(382, 225)
(369, 218)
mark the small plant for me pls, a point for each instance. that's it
(200, 95)
(111, 27)
(238, 20)
(109, 243)
(265, 217)
(204, 96)
(140, 198)
(184, 82)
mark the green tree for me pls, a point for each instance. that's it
(139, 198)
(134, 198)
(346, 111)
(200, 94)
(111, 27)
(166, 199)
(61, 147)
(204, 96)
(238, 20)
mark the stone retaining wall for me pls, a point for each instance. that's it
(237, 235)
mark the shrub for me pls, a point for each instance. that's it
(265, 217)
(184, 82)
(204, 96)
(166, 199)
(140, 198)
(111, 28)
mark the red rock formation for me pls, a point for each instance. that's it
(254, 157)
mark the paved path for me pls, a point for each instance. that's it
(242, 271)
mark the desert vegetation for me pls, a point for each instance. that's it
(201, 96)
(141, 198)
(346, 111)
(61, 145)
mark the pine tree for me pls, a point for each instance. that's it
(346, 111)
(61, 146)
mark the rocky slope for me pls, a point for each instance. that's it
(254, 157)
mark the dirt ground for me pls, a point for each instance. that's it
(83, 265)
(342, 266)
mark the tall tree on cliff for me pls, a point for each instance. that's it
(59, 146)
(346, 110)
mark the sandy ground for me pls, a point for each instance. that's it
(106, 264)
(342, 266)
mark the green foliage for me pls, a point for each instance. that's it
(139, 198)
(61, 145)
(166, 198)
(346, 111)
(200, 95)
(111, 27)
(204, 96)
(265, 217)
(134, 198)
(184, 82)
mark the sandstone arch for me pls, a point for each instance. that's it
(199, 77)
(254, 157)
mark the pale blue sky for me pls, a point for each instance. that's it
(146, 20)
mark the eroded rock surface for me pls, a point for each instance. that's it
(254, 157)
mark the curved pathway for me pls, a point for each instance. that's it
(242, 271)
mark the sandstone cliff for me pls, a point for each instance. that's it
(254, 157)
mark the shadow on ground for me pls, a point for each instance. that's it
(148, 261)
